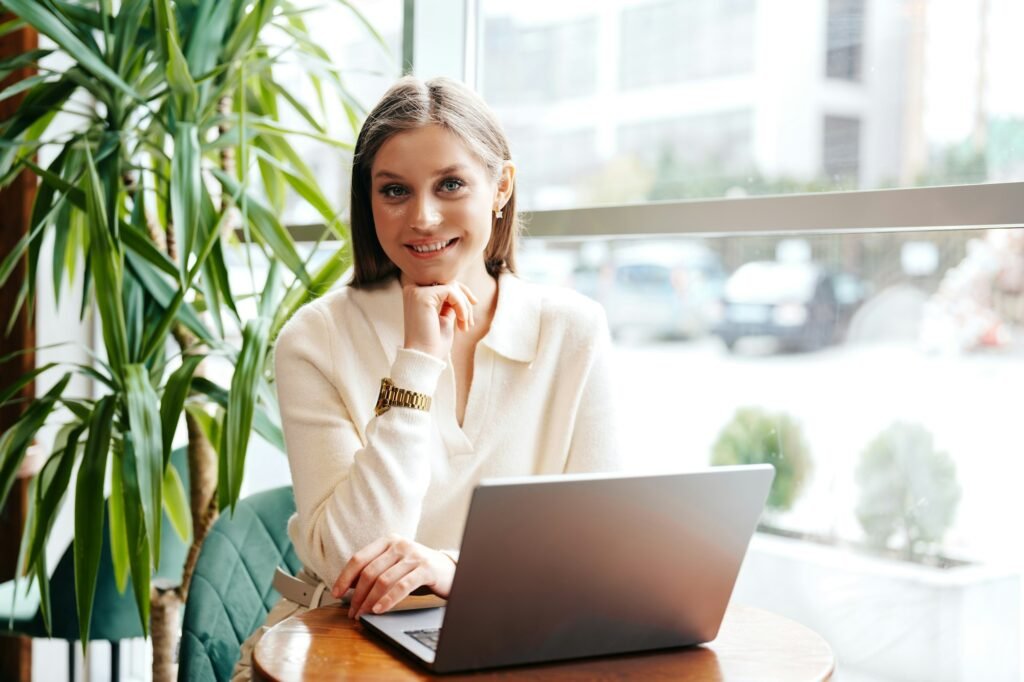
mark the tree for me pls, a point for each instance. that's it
(144, 197)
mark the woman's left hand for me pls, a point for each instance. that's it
(388, 569)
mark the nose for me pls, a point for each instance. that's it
(426, 213)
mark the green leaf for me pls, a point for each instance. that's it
(206, 37)
(24, 380)
(267, 226)
(50, 25)
(140, 243)
(182, 85)
(261, 423)
(329, 273)
(147, 445)
(33, 117)
(107, 261)
(21, 61)
(118, 532)
(271, 291)
(21, 86)
(242, 400)
(11, 26)
(185, 190)
(50, 491)
(89, 512)
(210, 425)
(218, 269)
(126, 28)
(135, 532)
(309, 189)
(164, 294)
(269, 125)
(301, 110)
(15, 441)
(173, 401)
(176, 504)
(42, 576)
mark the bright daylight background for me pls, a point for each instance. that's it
(886, 365)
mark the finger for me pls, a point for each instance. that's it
(395, 580)
(463, 309)
(354, 566)
(469, 293)
(369, 577)
(401, 589)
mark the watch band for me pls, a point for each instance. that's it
(392, 396)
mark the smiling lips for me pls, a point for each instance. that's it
(431, 249)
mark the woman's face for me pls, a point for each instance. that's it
(432, 202)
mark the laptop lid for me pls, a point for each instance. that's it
(557, 567)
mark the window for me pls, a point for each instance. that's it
(682, 40)
(909, 94)
(841, 150)
(366, 69)
(540, 62)
(845, 36)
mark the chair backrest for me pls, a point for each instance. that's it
(231, 591)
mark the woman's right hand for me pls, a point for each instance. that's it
(433, 312)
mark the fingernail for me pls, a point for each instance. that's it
(377, 608)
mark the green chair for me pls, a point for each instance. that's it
(231, 591)
(115, 616)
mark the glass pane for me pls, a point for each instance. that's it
(366, 68)
(880, 373)
(626, 101)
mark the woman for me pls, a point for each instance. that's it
(436, 366)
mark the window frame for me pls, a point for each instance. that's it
(977, 206)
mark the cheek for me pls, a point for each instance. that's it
(387, 218)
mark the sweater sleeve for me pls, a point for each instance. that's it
(594, 446)
(348, 494)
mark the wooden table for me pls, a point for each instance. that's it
(325, 644)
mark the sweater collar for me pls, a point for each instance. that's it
(514, 331)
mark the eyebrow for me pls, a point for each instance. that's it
(454, 168)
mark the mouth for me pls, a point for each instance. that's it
(431, 249)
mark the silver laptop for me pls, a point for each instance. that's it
(557, 567)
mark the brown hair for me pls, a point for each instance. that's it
(412, 103)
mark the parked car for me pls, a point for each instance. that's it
(802, 305)
(664, 289)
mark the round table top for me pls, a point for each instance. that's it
(324, 644)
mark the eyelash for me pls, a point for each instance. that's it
(386, 189)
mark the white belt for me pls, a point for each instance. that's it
(308, 594)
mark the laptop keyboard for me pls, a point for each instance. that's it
(427, 638)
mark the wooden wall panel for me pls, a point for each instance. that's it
(15, 210)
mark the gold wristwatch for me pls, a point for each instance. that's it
(392, 396)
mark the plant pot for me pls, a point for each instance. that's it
(888, 619)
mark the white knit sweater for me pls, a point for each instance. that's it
(540, 402)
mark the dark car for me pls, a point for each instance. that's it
(802, 305)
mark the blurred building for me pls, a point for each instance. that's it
(621, 101)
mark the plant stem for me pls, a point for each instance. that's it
(163, 622)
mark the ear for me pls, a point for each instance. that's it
(506, 183)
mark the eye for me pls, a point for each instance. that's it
(392, 191)
(452, 184)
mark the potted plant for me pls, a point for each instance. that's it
(944, 619)
(757, 436)
(908, 491)
(178, 133)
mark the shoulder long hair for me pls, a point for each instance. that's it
(412, 103)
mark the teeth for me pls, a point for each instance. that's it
(428, 248)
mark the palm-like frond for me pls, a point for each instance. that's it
(136, 201)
